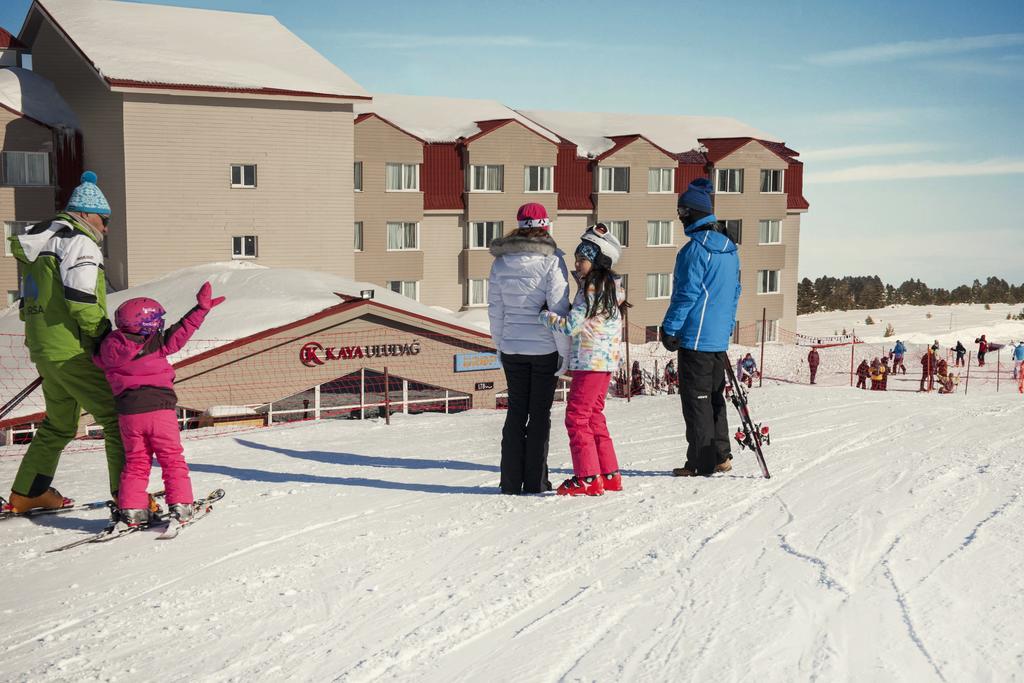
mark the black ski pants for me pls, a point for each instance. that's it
(701, 388)
(524, 439)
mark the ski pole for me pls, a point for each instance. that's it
(20, 396)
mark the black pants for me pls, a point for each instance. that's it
(701, 387)
(524, 439)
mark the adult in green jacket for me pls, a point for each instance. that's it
(64, 306)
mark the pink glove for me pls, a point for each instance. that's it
(204, 300)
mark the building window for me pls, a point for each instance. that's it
(734, 229)
(401, 177)
(729, 180)
(539, 179)
(482, 233)
(243, 175)
(770, 232)
(771, 331)
(652, 333)
(487, 178)
(659, 233)
(409, 288)
(660, 180)
(614, 178)
(476, 293)
(659, 285)
(403, 236)
(26, 168)
(771, 180)
(621, 231)
(244, 246)
(767, 282)
(357, 176)
(13, 229)
(357, 236)
(624, 283)
(12, 296)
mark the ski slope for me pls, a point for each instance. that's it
(886, 546)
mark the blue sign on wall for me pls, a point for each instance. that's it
(472, 362)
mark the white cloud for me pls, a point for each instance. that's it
(866, 151)
(915, 49)
(918, 170)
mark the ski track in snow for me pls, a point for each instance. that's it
(354, 552)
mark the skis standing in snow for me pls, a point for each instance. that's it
(134, 359)
(698, 325)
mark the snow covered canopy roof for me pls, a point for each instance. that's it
(443, 119)
(591, 132)
(29, 94)
(138, 45)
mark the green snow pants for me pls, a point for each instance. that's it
(68, 387)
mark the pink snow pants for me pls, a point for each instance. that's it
(589, 442)
(145, 435)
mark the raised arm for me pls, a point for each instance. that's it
(178, 334)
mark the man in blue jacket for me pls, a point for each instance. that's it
(698, 324)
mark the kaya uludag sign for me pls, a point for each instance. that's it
(313, 354)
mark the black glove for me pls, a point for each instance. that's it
(669, 342)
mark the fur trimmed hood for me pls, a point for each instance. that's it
(518, 244)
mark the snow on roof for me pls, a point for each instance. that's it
(443, 119)
(590, 131)
(30, 94)
(156, 44)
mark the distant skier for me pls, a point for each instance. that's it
(863, 372)
(671, 377)
(134, 359)
(885, 374)
(982, 349)
(876, 375)
(898, 351)
(1018, 359)
(813, 360)
(929, 364)
(746, 370)
(636, 382)
(960, 351)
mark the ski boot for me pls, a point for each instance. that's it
(612, 481)
(48, 500)
(181, 512)
(724, 466)
(587, 486)
(133, 517)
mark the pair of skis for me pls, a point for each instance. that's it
(750, 434)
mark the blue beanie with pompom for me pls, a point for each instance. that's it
(88, 198)
(698, 196)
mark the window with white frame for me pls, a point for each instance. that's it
(26, 168)
(660, 180)
(12, 296)
(733, 229)
(771, 180)
(357, 176)
(482, 233)
(767, 282)
(770, 232)
(771, 331)
(729, 180)
(659, 285)
(539, 179)
(357, 236)
(244, 246)
(403, 236)
(489, 178)
(659, 233)
(614, 178)
(13, 229)
(476, 292)
(401, 177)
(409, 288)
(243, 175)
(621, 231)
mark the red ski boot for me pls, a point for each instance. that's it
(588, 486)
(612, 481)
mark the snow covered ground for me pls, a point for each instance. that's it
(886, 546)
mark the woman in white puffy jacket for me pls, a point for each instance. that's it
(528, 275)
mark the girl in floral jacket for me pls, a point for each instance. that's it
(595, 327)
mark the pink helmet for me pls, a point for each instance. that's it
(141, 315)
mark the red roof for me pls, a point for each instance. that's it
(625, 140)
(574, 179)
(490, 126)
(442, 179)
(363, 117)
(692, 157)
(9, 42)
(125, 83)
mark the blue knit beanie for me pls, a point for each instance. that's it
(588, 250)
(698, 196)
(87, 198)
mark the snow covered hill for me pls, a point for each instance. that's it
(886, 547)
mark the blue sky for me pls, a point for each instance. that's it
(909, 116)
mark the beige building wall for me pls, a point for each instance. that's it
(376, 144)
(638, 206)
(442, 239)
(22, 204)
(184, 212)
(752, 206)
(100, 114)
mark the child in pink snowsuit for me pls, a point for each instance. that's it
(134, 359)
(595, 326)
